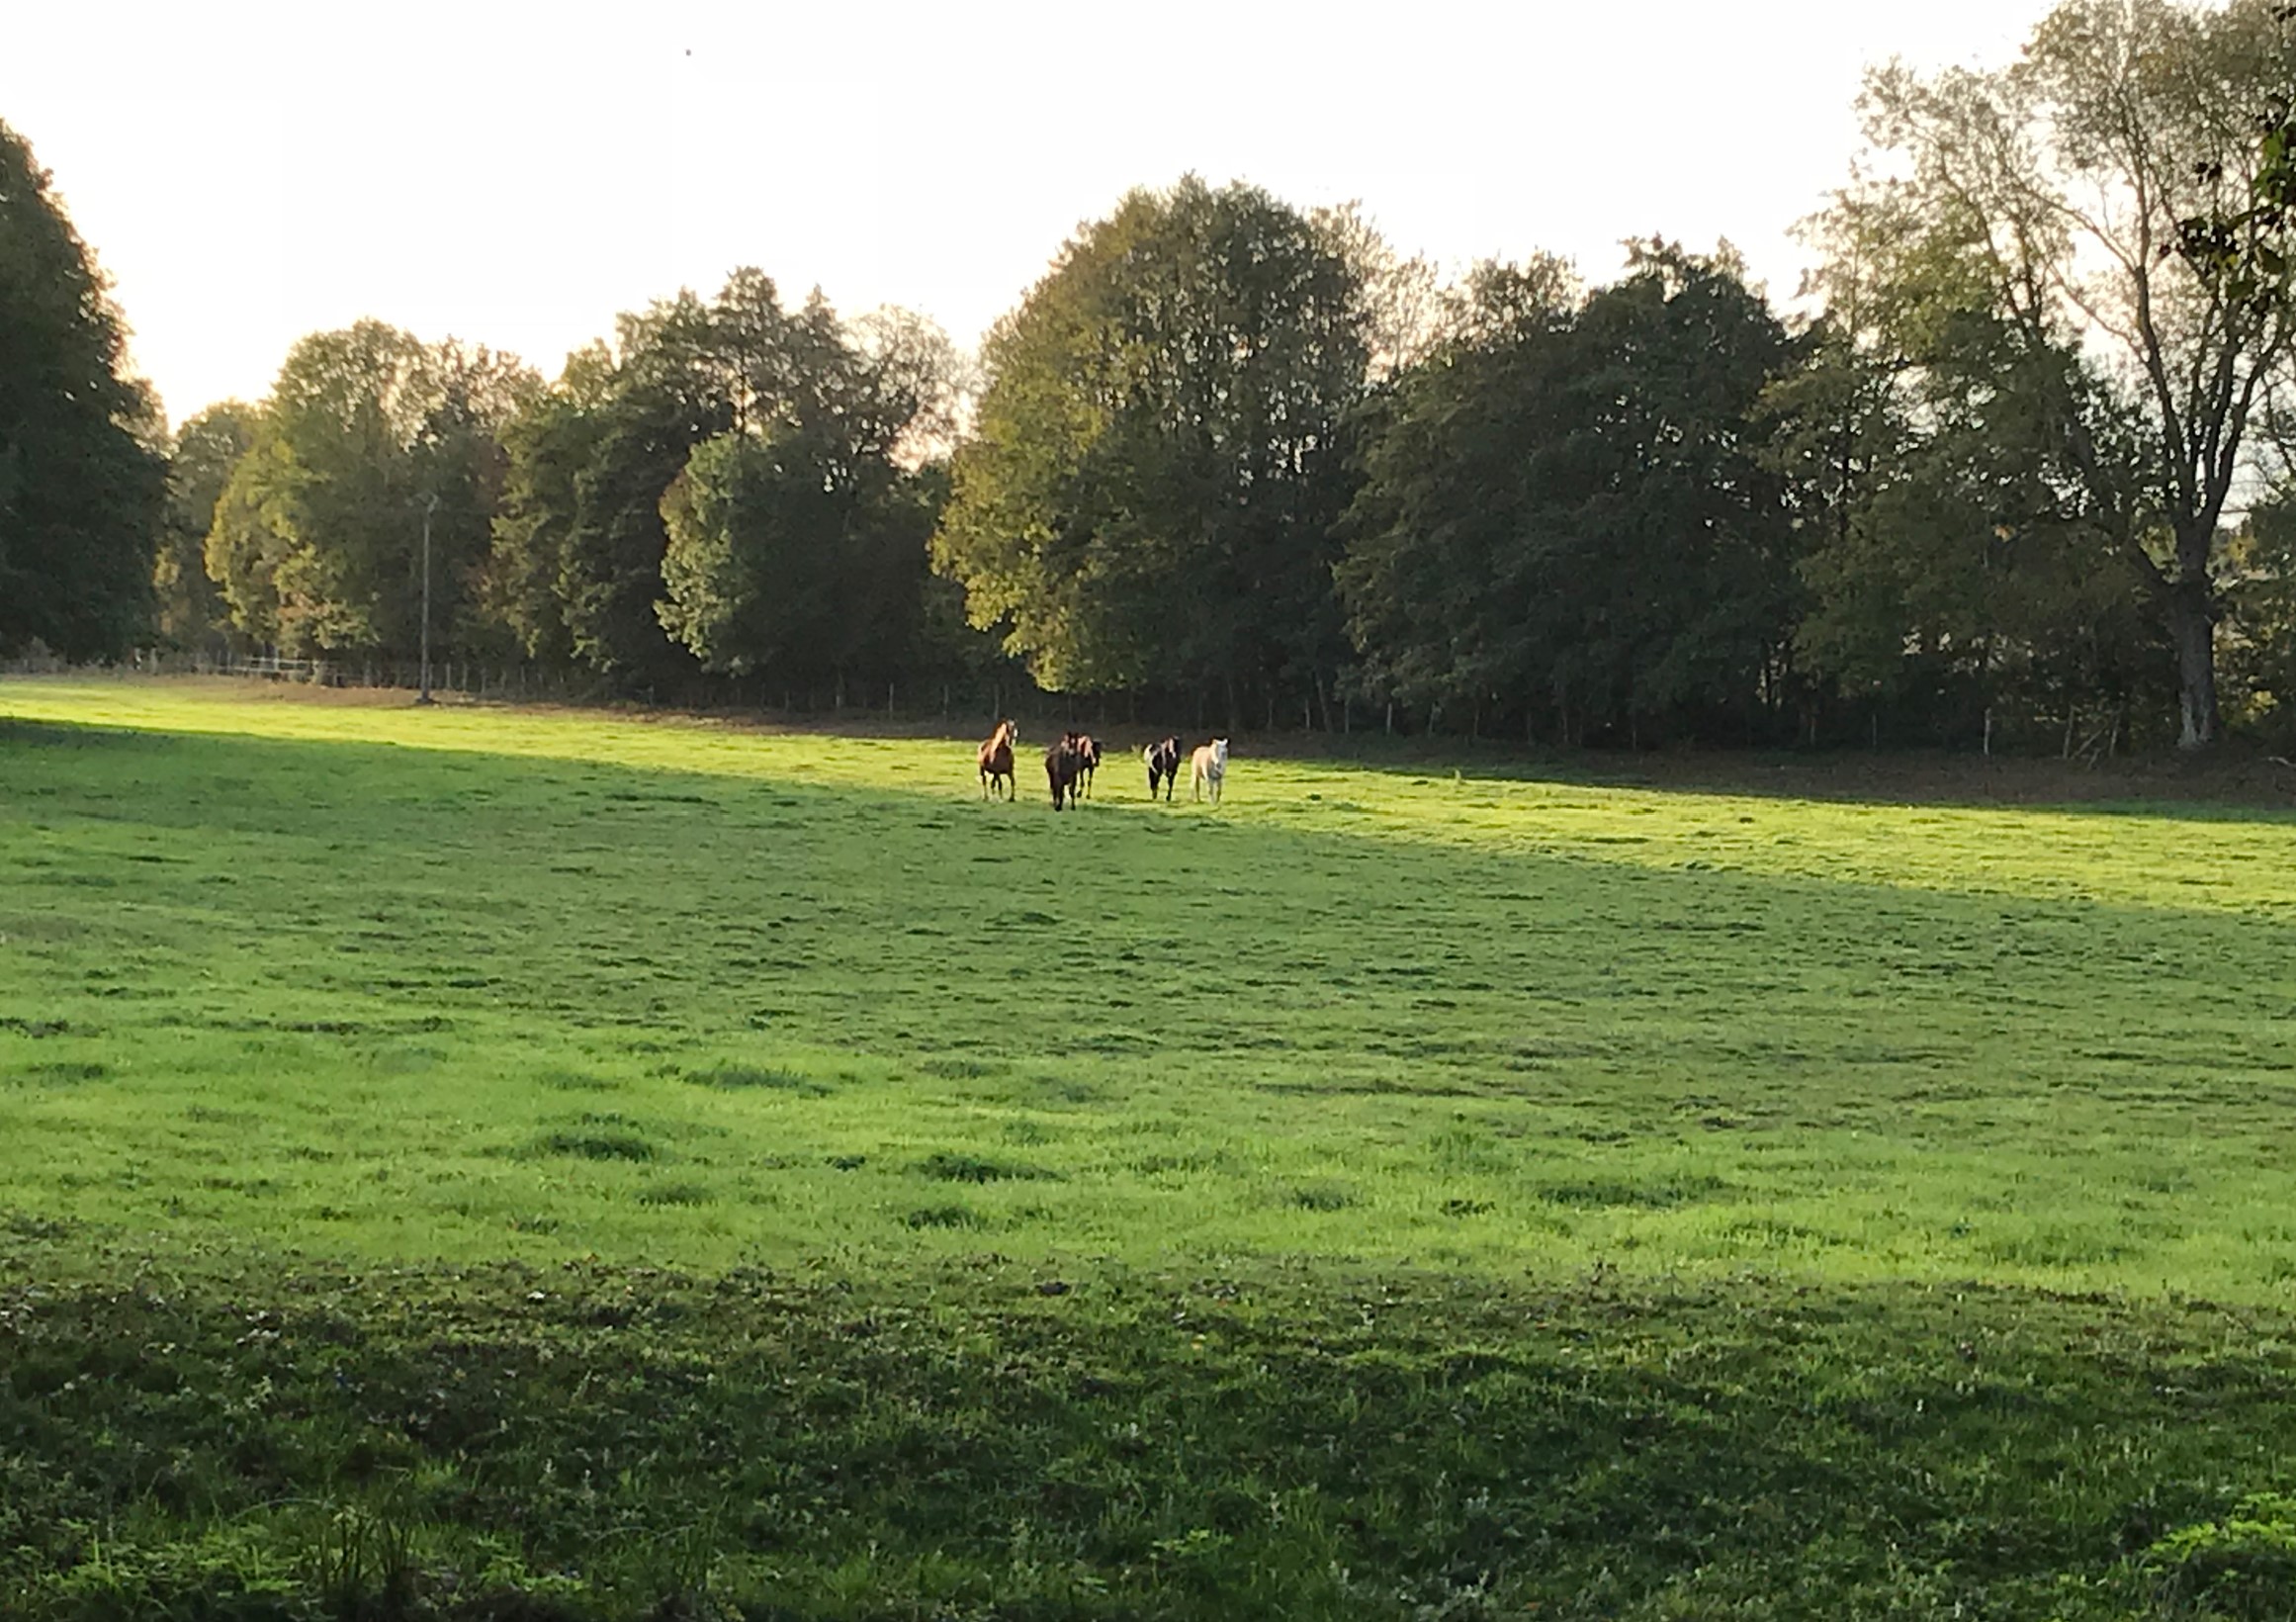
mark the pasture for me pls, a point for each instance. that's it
(475, 1159)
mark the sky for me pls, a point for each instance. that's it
(513, 175)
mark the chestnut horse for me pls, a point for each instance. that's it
(997, 759)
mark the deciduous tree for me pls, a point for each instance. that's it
(1566, 512)
(317, 539)
(81, 476)
(1152, 491)
(208, 449)
(2074, 170)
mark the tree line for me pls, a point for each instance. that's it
(2018, 469)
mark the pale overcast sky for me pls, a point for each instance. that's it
(513, 175)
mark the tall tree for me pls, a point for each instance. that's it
(1566, 512)
(317, 539)
(731, 485)
(1955, 551)
(668, 392)
(547, 448)
(1151, 493)
(208, 449)
(2076, 169)
(796, 542)
(81, 480)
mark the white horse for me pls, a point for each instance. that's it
(1208, 764)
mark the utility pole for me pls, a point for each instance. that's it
(423, 698)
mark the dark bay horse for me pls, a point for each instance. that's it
(1087, 761)
(1162, 765)
(1063, 761)
(997, 759)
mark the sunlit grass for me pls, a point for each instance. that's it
(471, 983)
(482, 1163)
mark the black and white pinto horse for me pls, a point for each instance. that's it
(1163, 760)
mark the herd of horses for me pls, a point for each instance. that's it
(1073, 759)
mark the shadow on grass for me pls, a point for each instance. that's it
(982, 1441)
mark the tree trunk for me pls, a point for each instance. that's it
(2192, 627)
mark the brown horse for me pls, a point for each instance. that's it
(1062, 762)
(1087, 761)
(997, 759)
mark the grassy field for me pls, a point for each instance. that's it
(480, 1162)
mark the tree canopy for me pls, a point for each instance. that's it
(2066, 178)
(317, 540)
(1150, 494)
(1565, 516)
(2020, 467)
(207, 452)
(81, 470)
(733, 487)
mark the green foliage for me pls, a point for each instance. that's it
(796, 544)
(1151, 491)
(80, 473)
(1959, 551)
(317, 540)
(547, 448)
(1564, 513)
(2069, 174)
(734, 485)
(208, 449)
(2241, 239)
(2259, 599)
(663, 398)
(2242, 1566)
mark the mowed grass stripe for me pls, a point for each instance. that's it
(673, 993)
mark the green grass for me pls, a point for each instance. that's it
(467, 1160)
